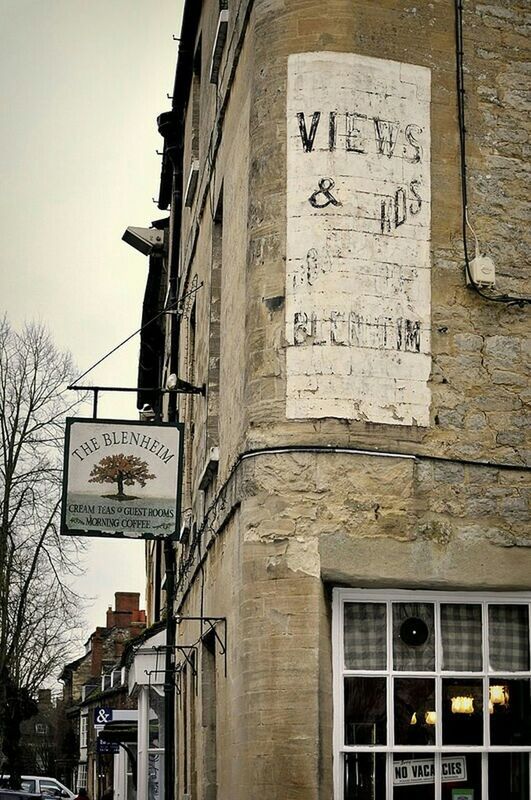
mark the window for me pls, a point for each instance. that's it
(214, 333)
(187, 717)
(431, 696)
(156, 747)
(83, 729)
(82, 776)
(219, 40)
(190, 449)
(50, 787)
(196, 101)
(209, 715)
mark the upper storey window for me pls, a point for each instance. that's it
(219, 40)
(195, 104)
(196, 100)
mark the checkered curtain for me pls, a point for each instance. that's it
(365, 636)
(461, 637)
(509, 638)
(405, 657)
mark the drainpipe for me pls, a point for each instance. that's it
(170, 130)
(169, 677)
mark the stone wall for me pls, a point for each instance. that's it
(448, 507)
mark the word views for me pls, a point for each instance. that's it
(362, 134)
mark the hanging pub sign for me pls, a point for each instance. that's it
(121, 478)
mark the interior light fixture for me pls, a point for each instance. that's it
(463, 705)
(414, 632)
(499, 695)
(430, 717)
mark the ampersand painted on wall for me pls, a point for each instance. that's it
(325, 187)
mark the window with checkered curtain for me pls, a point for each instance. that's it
(432, 696)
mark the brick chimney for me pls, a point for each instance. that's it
(127, 611)
(97, 650)
(45, 699)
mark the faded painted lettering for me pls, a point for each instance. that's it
(358, 235)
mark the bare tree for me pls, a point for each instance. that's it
(37, 607)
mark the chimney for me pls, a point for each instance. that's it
(45, 698)
(127, 612)
(127, 601)
(97, 651)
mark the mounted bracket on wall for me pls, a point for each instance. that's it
(211, 623)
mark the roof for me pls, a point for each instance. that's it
(129, 650)
(171, 123)
(71, 666)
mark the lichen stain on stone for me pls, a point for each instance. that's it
(435, 530)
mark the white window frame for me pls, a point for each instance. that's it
(82, 776)
(388, 597)
(83, 731)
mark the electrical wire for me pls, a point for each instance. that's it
(193, 550)
(496, 298)
(165, 310)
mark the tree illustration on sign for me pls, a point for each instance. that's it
(122, 470)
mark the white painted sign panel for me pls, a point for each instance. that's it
(413, 772)
(121, 478)
(358, 239)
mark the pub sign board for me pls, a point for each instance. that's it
(122, 478)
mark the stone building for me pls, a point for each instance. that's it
(40, 737)
(97, 680)
(353, 571)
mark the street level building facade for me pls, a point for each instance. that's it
(96, 692)
(353, 571)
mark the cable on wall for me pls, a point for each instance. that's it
(496, 298)
(174, 307)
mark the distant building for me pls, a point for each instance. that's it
(354, 568)
(96, 681)
(39, 734)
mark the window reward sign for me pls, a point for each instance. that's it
(358, 239)
(121, 479)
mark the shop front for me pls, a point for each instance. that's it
(146, 684)
(431, 696)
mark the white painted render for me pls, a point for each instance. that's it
(358, 239)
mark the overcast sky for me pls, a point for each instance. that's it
(81, 85)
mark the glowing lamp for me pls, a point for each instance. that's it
(499, 695)
(462, 705)
(431, 717)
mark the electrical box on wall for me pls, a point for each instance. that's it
(482, 271)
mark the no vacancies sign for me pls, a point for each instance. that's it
(121, 478)
(422, 770)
